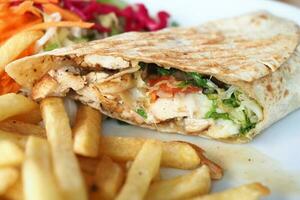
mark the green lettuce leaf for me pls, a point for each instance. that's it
(142, 113)
(118, 3)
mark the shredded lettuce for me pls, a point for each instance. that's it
(253, 109)
(111, 22)
(241, 115)
(183, 84)
(143, 65)
(142, 113)
(216, 115)
(212, 96)
(80, 39)
(115, 31)
(51, 46)
(247, 125)
(232, 101)
(212, 113)
(174, 24)
(197, 79)
(118, 3)
(163, 72)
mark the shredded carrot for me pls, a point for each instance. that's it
(16, 24)
(46, 25)
(17, 18)
(7, 84)
(26, 16)
(46, 1)
(66, 15)
(26, 6)
(153, 97)
(4, 6)
(13, 20)
(27, 52)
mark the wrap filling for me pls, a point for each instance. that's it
(156, 96)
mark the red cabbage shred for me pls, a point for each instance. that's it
(135, 17)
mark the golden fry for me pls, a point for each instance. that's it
(108, 179)
(88, 165)
(33, 117)
(144, 167)
(181, 187)
(216, 172)
(251, 191)
(38, 178)
(10, 154)
(15, 104)
(174, 154)
(18, 139)
(87, 131)
(22, 128)
(8, 177)
(15, 192)
(14, 46)
(66, 167)
(157, 176)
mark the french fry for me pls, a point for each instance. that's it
(108, 179)
(15, 192)
(143, 169)
(126, 148)
(14, 104)
(181, 187)
(8, 177)
(10, 154)
(88, 169)
(66, 167)
(38, 178)
(157, 176)
(251, 191)
(89, 181)
(18, 139)
(22, 128)
(14, 46)
(88, 165)
(216, 172)
(86, 131)
(174, 154)
(33, 117)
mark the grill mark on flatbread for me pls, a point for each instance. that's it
(213, 47)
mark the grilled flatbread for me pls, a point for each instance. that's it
(227, 79)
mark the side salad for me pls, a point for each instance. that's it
(66, 22)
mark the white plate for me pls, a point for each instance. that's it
(273, 157)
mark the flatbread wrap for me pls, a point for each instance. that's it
(227, 79)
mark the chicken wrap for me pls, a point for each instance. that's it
(227, 79)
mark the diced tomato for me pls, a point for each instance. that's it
(165, 88)
(191, 89)
(153, 81)
(169, 88)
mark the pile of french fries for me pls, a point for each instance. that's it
(43, 157)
